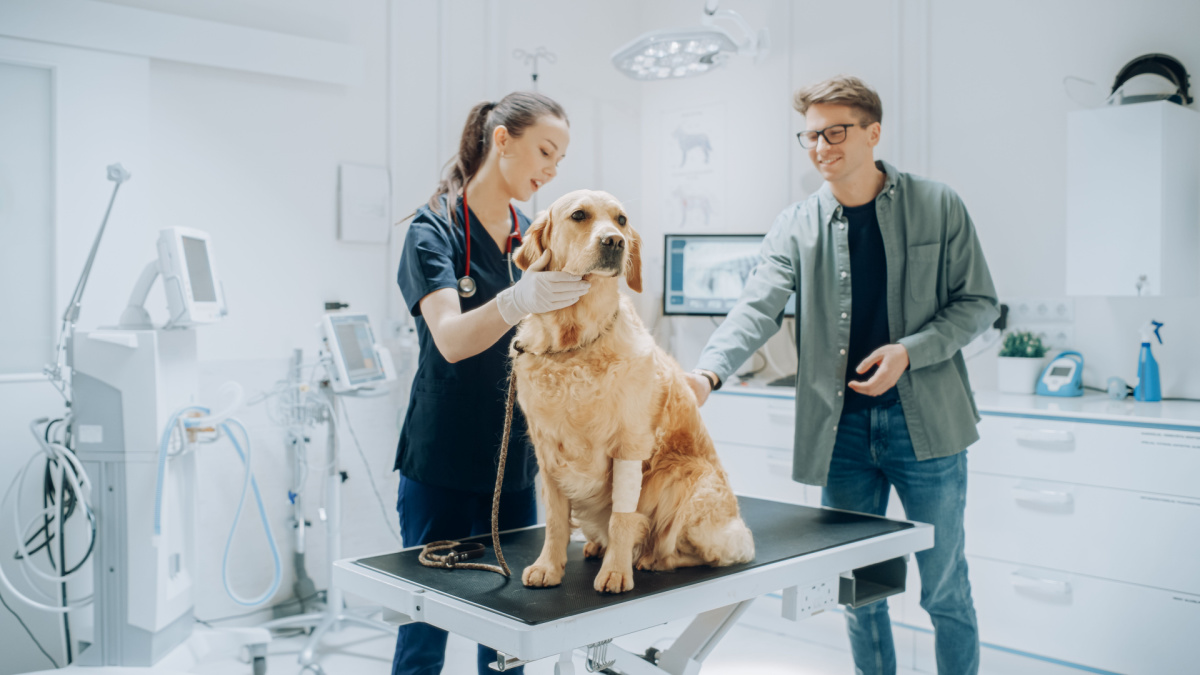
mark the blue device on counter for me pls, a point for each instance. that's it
(1148, 388)
(1063, 377)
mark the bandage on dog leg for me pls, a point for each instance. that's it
(626, 485)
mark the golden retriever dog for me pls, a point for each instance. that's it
(623, 451)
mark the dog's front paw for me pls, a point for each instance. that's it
(542, 575)
(593, 550)
(613, 581)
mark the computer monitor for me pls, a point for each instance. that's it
(704, 274)
(358, 361)
(193, 289)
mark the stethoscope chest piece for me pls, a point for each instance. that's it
(466, 287)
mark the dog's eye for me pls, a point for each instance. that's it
(579, 215)
(621, 220)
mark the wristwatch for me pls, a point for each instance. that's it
(713, 380)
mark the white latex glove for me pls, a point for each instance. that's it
(539, 291)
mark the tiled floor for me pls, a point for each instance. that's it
(746, 649)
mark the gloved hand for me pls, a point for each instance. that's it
(539, 291)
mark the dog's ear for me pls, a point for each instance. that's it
(633, 265)
(536, 238)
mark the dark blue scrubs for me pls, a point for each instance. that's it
(450, 442)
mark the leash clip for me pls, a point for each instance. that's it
(464, 552)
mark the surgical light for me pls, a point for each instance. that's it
(674, 53)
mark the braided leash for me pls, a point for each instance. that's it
(458, 552)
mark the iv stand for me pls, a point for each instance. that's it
(336, 614)
(531, 59)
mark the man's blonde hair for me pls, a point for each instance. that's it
(841, 90)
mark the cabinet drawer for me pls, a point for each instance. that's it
(1115, 534)
(764, 473)
(1092, 622)
(751, 420)
(1126, 457)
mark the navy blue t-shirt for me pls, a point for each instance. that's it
(455, 419)
(868, 297)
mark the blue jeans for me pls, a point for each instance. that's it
(429, 513)
(873, 451)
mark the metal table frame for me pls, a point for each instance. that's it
(716, 604)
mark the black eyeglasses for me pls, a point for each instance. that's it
(832, 134)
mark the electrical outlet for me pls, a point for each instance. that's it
(1040, 310)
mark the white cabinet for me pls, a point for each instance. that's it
(1133, 215)
(1082, 527)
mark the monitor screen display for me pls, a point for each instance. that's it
(195, 254)
(1059, 371)
(356, 347)
(705, 273)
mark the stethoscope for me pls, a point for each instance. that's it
(466, 285)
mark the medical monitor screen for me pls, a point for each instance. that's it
(195, 254)
(704, 274)
(356, 346)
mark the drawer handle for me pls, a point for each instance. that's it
(1044, 436)
(1041, 496)
(782, 415)
(779, 463)
(1031, 582)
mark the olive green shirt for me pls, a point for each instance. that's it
(939, 297)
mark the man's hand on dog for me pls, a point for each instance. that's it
(700, 385)
(892, 361)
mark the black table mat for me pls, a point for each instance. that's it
(781, 531)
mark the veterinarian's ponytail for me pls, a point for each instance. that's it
(515, 112)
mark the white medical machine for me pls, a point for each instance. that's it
(193, 289)
(358, 361)
(136, 422)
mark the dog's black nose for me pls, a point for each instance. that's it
(613, 240)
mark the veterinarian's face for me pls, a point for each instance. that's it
(591, 233)
(857, 152)
(529, 161)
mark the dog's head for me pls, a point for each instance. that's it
(587, 233)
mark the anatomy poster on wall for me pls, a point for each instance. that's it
(693, 159)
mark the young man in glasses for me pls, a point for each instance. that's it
(891, 283)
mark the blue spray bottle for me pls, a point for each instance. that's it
(1147, 387)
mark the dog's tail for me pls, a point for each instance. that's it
(733, 543)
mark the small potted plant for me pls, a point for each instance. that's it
(1020, 363)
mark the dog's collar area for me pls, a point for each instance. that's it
(611, 322)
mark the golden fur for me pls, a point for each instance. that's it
(594, 386)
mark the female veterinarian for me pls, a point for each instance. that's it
(465, 294)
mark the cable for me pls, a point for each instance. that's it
(27, 631)
(4, 580)
(371, 477)
(248, 481)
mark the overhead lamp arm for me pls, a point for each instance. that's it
(752, 44)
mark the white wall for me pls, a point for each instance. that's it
(973, 97)
(252, 159)
(999, 137)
